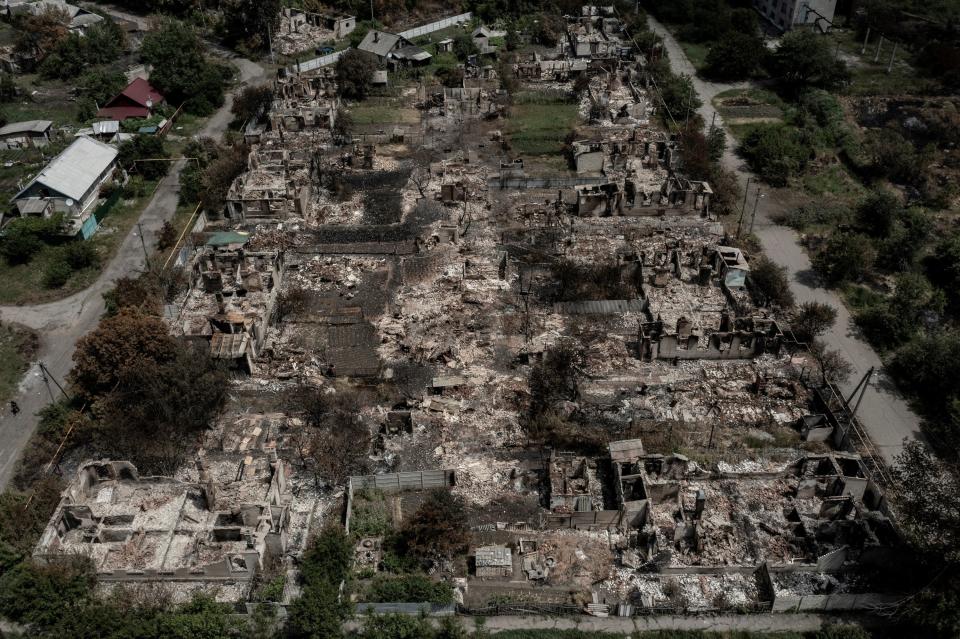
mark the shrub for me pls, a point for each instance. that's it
(79, 255)
(734, 57)
(57, 273)
(24, 237)
(769, 283)
(409, 588)
(438, 528)
(812, 320)
(847, 256)
(775, 152)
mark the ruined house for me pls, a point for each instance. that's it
(226, 524)
(231, 300)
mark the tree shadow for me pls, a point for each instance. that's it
(808, 277)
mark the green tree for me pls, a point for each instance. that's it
(8, 88)
(41, 594)
(735, 56)
(464, 46)
(878, 212)
(769, 283)
(943, 267)
(26, 236)
(181, 71)
(247, 24)
(104, 42)
(805, 59)
(775, 153)
(100, 85)
(319, 612)
(812, 319)
(251, 102)
(846, 257)
(139, 155)
(438, 528)
(354, 73)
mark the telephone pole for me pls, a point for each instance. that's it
(146, 256)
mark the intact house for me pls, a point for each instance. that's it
(791, 14)
(70, 184)
(136, 101)
(393, 49)
(24, 135)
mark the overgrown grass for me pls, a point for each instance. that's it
(696, 52)
(871, 78)
(835, 180)
(18, 344)
(540, 121)
(858, 297)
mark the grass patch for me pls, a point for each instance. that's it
(18, 345)
(23, 283)
(697, 53)
(859, 298)
(540, 121)
(370, 515)
(871, 78)
(833, 180)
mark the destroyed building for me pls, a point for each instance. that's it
(226, 524)
(231, 299)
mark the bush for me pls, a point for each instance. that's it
(439, 527)
(145, 147)
(26, 236)
(769, 283)
(847, 256)
(775, 152)
(79, 255)
(878, 212)
(409, 588)
(812, 320)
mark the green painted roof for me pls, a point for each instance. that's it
(224, 238)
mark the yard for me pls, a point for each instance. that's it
(24, 283)
(383, 111)
(540, 122)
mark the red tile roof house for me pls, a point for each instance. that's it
(135, 101)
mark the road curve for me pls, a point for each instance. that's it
(63, 322)
(883, 412)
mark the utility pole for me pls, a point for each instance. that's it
(892, 55)
(686, 123)
(879, 46)
(863, 49)
(743, 207)
(48, 375)
(753, 218)
(371, 11)
(143, 243)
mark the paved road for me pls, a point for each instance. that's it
(63, 322)
(883, 412)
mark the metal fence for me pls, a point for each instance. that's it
(416, 32)
(330, 58)
(316, 63)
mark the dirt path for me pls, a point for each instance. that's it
(63, 322)
(884, 413)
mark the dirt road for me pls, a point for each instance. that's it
(63, 322)
(885, 415)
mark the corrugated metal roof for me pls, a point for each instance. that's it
(106, 127)
(77, 168)
(493, 556)
(599, 307)
(30, 126)
(379, 42)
